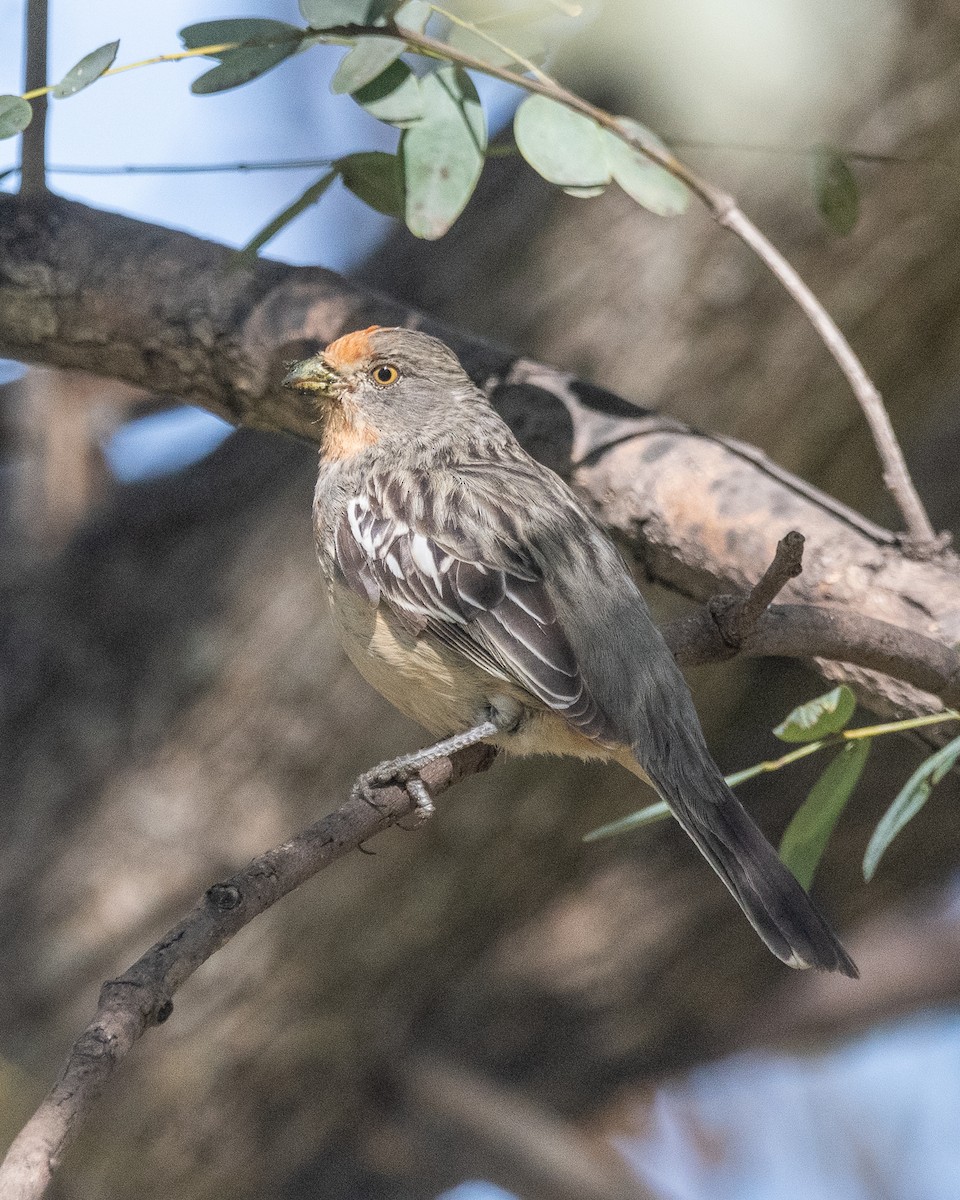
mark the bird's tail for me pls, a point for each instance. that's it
(775, 904)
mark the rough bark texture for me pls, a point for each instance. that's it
(174, 701)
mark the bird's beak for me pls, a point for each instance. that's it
(313, 375)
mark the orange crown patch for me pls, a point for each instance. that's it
(350, 349)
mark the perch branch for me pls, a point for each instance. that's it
(143, 995)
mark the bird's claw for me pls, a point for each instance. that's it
(388, 774)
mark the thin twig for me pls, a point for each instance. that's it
(142, 996)
(723, 207)
(729, 215)
(33, 152)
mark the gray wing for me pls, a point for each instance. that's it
(497, 613)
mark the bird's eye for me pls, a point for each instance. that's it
(385, 375)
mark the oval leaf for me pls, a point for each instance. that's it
(910, 799)
(310, 196)
(806, 837)
(238, 67)
(525, 42)
(87, 70)
(237, 29)
(324, 14)
(394, 97)
(413, 15)
(838, 199)
(645, 181)
(586, 193)
(443, 153)
(376, 178)
(818, 717)
(562, 146)
(15, 115)
(368, 59)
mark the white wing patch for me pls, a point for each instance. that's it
(500, 617)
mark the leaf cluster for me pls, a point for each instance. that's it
(824, 723)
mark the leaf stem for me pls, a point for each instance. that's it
(176, 56)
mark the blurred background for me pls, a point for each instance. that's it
(489, 1008)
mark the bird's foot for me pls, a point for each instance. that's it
(397, 772)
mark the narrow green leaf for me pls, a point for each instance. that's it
(368, 59)
(443, 152)
(562, 146)
(324, 14)
(394, 97)
(15, 115)
(806, 837)
(910, 799)
(237, 29)
(838, 199)
(310, 196)
(376, 178)
(86, 71)
(645, 816)
(818, 717)
(645, 181)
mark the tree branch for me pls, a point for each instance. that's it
(143, 995)
(33, 149)
(163, 311)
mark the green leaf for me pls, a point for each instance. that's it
(443, 152)
(86, 71)
(237, 29)
(838, 199)
(413, 15)
(647, 182)
(324, 14)
(238, 67)
(585, 193)
(15, 115)
(310, 196)
(805, 838)
(394, 97)
(369, 58)
(818, 717)
(562, 146)
(910, 799)
(527, 43)
(644, 816)
(376, 178)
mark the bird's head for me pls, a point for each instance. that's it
(380, 382)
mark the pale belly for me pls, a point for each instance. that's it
(444, 692)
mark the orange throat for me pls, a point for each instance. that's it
(345, 433)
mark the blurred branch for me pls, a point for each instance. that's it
(33, 149)
(508, 1138)
(142, 996)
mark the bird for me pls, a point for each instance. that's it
(472, 588)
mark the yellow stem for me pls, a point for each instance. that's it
(147, 62)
